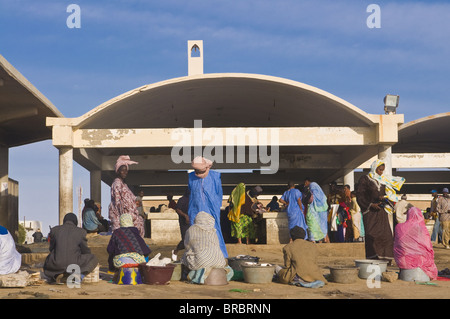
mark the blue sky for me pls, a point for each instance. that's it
(124, 44)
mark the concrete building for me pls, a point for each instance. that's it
(258, 129)
(422, 157)
(23, 111)
(237, 119)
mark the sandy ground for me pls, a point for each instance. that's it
(179, 292)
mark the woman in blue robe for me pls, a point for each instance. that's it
(206, 195)
(292, 198)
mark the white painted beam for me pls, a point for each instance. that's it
(415, 160)
(287, 161)
(179, 137)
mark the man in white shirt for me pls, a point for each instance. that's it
(401, 208)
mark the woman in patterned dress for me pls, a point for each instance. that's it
(123, 201)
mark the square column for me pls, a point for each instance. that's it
(4, 168)
(349, 179)
(96, 185)
(65, 182)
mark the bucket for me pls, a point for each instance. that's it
(258, 273)
(344, 275)
(128, 276)
(93, 276)
(415, 274)
(217, 277)
(235, 264)
(366, 267)
(156, 275)
(176, 275)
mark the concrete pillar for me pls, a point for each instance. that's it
(65, 182)
(349, 179)
(385, 154)
(96, 185)
(4, 168)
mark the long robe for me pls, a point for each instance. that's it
(379, 240)
(123, 201)
(240, 214)
(412, 244)
(206, 195)
(317, 214)
(10, 258)
(294, 214)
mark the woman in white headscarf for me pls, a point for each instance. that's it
(376, 196)
(203, 252)
(123, 201)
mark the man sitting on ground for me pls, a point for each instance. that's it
(300, 261)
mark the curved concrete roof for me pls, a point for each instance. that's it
(429, 134)
(23, 109)
(224, 100)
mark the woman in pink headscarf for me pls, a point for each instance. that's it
(412, 244)
(123, 201)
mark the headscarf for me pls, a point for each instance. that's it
(255, 191)
(319, 197)
(297, 232)
(412, 244)
(205, 221)
(71, 217)
(202, 165)
(124, 160)
(391, 183)
(237, 199)
(126, 220)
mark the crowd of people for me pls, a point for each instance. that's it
(389, 225)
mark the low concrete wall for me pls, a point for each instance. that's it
(165, 228)
(277, 228)
(33, 258)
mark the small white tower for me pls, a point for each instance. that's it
(195, 57)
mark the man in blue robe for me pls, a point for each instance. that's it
(206, 195)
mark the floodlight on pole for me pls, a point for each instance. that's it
(391, 103)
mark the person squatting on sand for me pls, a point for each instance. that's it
(412, 244)
(203, 252)
(10, 258)
(300, 262)
(126, 245)
(68, 246)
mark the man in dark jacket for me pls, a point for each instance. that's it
(68, 245)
